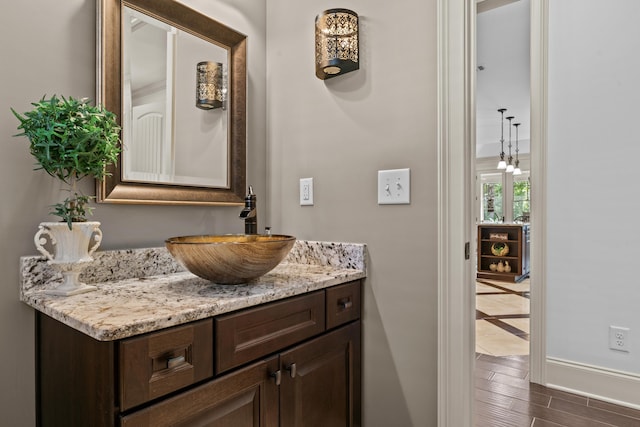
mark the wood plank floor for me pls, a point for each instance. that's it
(505, 398)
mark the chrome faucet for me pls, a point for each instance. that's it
(250, 213)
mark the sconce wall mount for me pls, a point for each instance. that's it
(209, 85)
(336, 43)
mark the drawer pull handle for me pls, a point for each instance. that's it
(175, 361)
(345, 304)
(277, 375)
(293, 369)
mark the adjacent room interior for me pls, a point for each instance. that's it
(503, 188)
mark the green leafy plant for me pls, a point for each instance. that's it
(71, 140)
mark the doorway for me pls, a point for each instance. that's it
(456, 121)
(502, 200)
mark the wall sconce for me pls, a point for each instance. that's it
(336, 43)
(209, 85)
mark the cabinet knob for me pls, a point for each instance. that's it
(293, 369)
(277, 375)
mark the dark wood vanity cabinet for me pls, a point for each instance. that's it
(313, 384)
(293, 362)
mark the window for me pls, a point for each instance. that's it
(491, 200)
(521, 197)
(500, 196)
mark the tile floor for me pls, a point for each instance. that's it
(502, 317)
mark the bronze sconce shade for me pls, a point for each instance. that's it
(209, 85)
(336, 43)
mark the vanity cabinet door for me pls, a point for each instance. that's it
(321, 381)
(245, 398)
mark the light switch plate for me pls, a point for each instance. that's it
(394, 187)
(306, 191)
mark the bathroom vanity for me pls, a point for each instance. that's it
(169, 348)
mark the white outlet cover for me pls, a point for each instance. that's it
(306, 191)
(619, 338)
(394, 187)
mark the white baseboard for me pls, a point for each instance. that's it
(599, 383)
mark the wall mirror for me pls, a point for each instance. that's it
(156, 61)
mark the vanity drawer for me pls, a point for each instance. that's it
(159, 363)
(343, 304)
(256, 332)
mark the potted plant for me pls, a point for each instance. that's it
(70, 139)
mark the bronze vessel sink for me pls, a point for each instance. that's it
(230, 259)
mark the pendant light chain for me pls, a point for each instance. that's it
(502, 164)
(517, 170)
(510, 164)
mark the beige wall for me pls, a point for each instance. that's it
(49, 47)
(341, 132)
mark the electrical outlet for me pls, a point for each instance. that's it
(619, 338)
(306, 191)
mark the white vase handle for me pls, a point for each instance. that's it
(97, 238)
(40, 239)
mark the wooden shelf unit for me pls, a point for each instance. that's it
(518, 256)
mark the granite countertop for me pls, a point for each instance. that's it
(143, 290)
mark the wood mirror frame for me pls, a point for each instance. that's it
(109, 93)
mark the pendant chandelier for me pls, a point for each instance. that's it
(502, 164)
(510, 167)
(517, 170)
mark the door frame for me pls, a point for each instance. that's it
(456, 141)
(539, 110)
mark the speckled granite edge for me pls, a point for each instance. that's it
(329, 254)
(122, 264)
(143, 290)
(107, 266)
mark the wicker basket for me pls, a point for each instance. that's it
(500, 249)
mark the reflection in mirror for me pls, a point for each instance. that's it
(174, 151)
(166, 138)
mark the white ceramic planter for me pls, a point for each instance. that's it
(71, 252)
